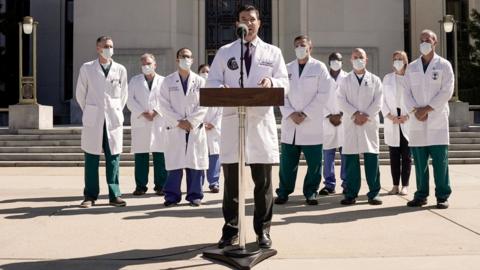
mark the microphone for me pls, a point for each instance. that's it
(242, 30)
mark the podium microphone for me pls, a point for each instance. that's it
(242, 30)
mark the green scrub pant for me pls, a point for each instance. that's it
(289, 159)
(142, 168)
(439, 154)
(112, 165)
(372, 173)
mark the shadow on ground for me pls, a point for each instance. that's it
(119, 260)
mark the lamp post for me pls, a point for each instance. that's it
(27, 84)
(449, 25)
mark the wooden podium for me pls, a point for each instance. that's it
(240, 256)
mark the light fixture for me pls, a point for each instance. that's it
(27, 24)
(448, 23)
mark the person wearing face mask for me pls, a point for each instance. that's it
(203, 70)
(302, 121)
(264, 67)
(360, 99)
(147, 135)
(333, 130)
(396, 124)
(185, 137)
(102, 92)
(213, 123)
(429, 85)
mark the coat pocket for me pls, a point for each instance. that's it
(89, 117)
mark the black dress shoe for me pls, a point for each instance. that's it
(348, 201)
(442, 204)
(375, 201)
(281, 200)
(227, 241)
(311, 201)
(325, 191)
(417, 202)
(264, 240)
(138, 192)
(118, 202)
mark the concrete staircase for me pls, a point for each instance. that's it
(60, 146)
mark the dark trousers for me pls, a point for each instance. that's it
(263, 198)
(400, 162)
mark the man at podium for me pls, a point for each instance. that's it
(264, 68)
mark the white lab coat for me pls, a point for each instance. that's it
(147, 136)
(333, 135)
(102, 100)
(308, 93)
(175, 106)
(214, 117)
(261, 129)
(390, 104)
(366, 98)
(435, 88)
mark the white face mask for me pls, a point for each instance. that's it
(335, 65)
(398, 65)
(301, 52)
(425, 48)
(359, 64)
(204, 75)
(185, 63)
(148, 69)
(107, 53)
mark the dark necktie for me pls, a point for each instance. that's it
(248, 58)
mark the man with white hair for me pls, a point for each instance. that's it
(429, 85)
(147, 122)
(360, 100)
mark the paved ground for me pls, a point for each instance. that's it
(41, 227)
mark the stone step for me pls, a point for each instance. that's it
(131, 163)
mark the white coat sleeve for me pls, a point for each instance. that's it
(198, 113)
(171, 116)
(124, 88)
(343, 103)
(377, 101)
(132, 103)
(287, 109)
(217, 119)
(279, 73)
(216, 74)
(408, 98)
(385, 108)
(82, 88)
(331, 106)
(315, 108)
(446, 89)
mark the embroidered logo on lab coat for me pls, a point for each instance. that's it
(290, 76)
(435, 75)
(232, 64)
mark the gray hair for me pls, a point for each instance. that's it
(430, 33)
(147, 55)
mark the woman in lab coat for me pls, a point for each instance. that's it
(395, 121)
(147, 135)
(186, 139)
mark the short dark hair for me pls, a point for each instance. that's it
(101, 39)
(181, 50)
(334, 56)
(243, 8)
(202, 66)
